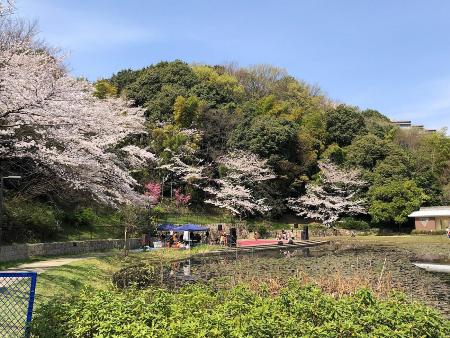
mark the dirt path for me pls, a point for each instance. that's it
(42, 266)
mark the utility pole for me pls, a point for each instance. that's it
(1, 200)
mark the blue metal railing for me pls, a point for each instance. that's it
(17, 290)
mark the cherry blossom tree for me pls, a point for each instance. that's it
(53, 119)
(336, 194)
(153, 191)
(184, 171)
(185, 165)
(180, 198)
(235, 191)
(6, 7)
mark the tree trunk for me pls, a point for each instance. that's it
(125, 242)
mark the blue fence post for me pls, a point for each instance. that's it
(31, 303)
(17, 291)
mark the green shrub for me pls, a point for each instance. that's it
(85, 218)
(36, 220)
(262, 230)
(158, 211)
(139, 276)
(203, 311)
(335, 154)
(353, 224)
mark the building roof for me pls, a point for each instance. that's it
(431, 212)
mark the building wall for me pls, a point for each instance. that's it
(425, 223)
(26, 251)
(442, 223)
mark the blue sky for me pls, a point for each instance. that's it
(393, 56)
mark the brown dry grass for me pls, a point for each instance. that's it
(336, 284)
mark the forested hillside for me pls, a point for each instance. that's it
(252, 142)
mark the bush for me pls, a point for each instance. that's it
(85, 218)
(139, 276)
(262, 230)
(34, 220)
(353, 224)
(203, 311)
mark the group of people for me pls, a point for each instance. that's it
(182, 239)
(285, 235)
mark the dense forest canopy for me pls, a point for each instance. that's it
(250, 141)
(197, 114)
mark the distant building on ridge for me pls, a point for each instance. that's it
(405, 124)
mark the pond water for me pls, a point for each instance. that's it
(337, 268)
(442, 268)
(335, 263)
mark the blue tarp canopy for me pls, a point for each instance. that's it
(190, 227)
(166, 227)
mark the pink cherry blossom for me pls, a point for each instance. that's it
(153, 191)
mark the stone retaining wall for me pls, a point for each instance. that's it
(26, 251)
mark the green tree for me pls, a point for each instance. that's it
(266, 136)
(160, 108)
(151, 80)
(433, 152)
(216, 87)
(216, 126)
(394, 201)
(121, 80)
(378, 124)
(397, 166)
(104, 89)
(335, 154)
(343, 124)
(187, 111)
(172, 138)
(366, 150)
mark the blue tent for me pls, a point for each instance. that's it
(166, 227)
(190, 227)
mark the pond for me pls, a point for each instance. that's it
(338, 269)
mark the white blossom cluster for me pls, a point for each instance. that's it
(234, 191)
(53, 119)
(334, 196)
(245, 166)
(189, 173)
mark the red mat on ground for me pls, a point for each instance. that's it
(250, 242)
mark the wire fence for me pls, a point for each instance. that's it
(16, 303)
